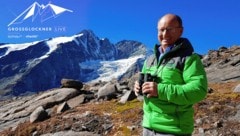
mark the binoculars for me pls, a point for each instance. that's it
(145, 77)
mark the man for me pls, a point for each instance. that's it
(179, 82)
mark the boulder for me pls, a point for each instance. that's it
(108, 91)
(70, 83)
(38, 114)
(128, 96)
(63, 107)
(76, 101)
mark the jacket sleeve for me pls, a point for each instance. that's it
(194, 89)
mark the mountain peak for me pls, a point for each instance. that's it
(88, 32)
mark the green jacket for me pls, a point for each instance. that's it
(181, 82)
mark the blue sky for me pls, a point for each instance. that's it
(208, 24)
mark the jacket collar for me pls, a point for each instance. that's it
(182, 44)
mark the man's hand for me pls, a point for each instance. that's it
(150, 89)
(136, 88)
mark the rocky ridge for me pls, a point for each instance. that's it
(223, 64)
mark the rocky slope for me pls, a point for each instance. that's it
(223, 64)
(111, 109)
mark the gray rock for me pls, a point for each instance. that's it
(70, 83)
(56, 96)
(237, 89)
(38, 115)
(63, 107)
(215, 74)
(73, 102)
(129, 95)
(108, 91)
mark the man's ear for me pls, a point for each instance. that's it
(181, 30)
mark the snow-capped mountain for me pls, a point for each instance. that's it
(40, 65)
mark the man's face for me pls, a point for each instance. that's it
(169, 30)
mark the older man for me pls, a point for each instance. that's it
(178, 82)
